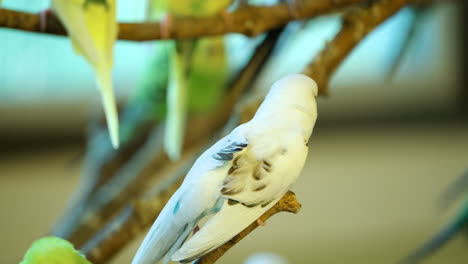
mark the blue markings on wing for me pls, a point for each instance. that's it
(176, 208)
(216, 208)
(226, 153)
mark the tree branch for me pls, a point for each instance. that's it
(250, 21)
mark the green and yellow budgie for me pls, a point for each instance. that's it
(92, 28)
(53, 250)
(198, 69)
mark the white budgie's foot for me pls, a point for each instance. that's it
(196, 229)
(260, 222)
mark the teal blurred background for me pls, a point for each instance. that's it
(382, 152)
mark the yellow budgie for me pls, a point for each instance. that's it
(92, 28)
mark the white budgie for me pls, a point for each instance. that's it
(92, 27)
(239, 178)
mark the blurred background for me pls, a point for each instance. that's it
(385, 147)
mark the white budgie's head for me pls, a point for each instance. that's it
(294, 89)
(292, 93)
(290, 104)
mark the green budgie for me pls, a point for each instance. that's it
(198, 69)
(458, 224)
(53, 250)
(92, 27)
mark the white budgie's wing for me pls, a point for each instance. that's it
(248, 191)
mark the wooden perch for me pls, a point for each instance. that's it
(288, 203)
(355, 26)
(250, 21)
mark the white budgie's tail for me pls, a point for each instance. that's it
(176, 107)
(224, 225)
(165, 236)
(104, 81)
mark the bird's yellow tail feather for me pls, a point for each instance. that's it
(104, 80)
